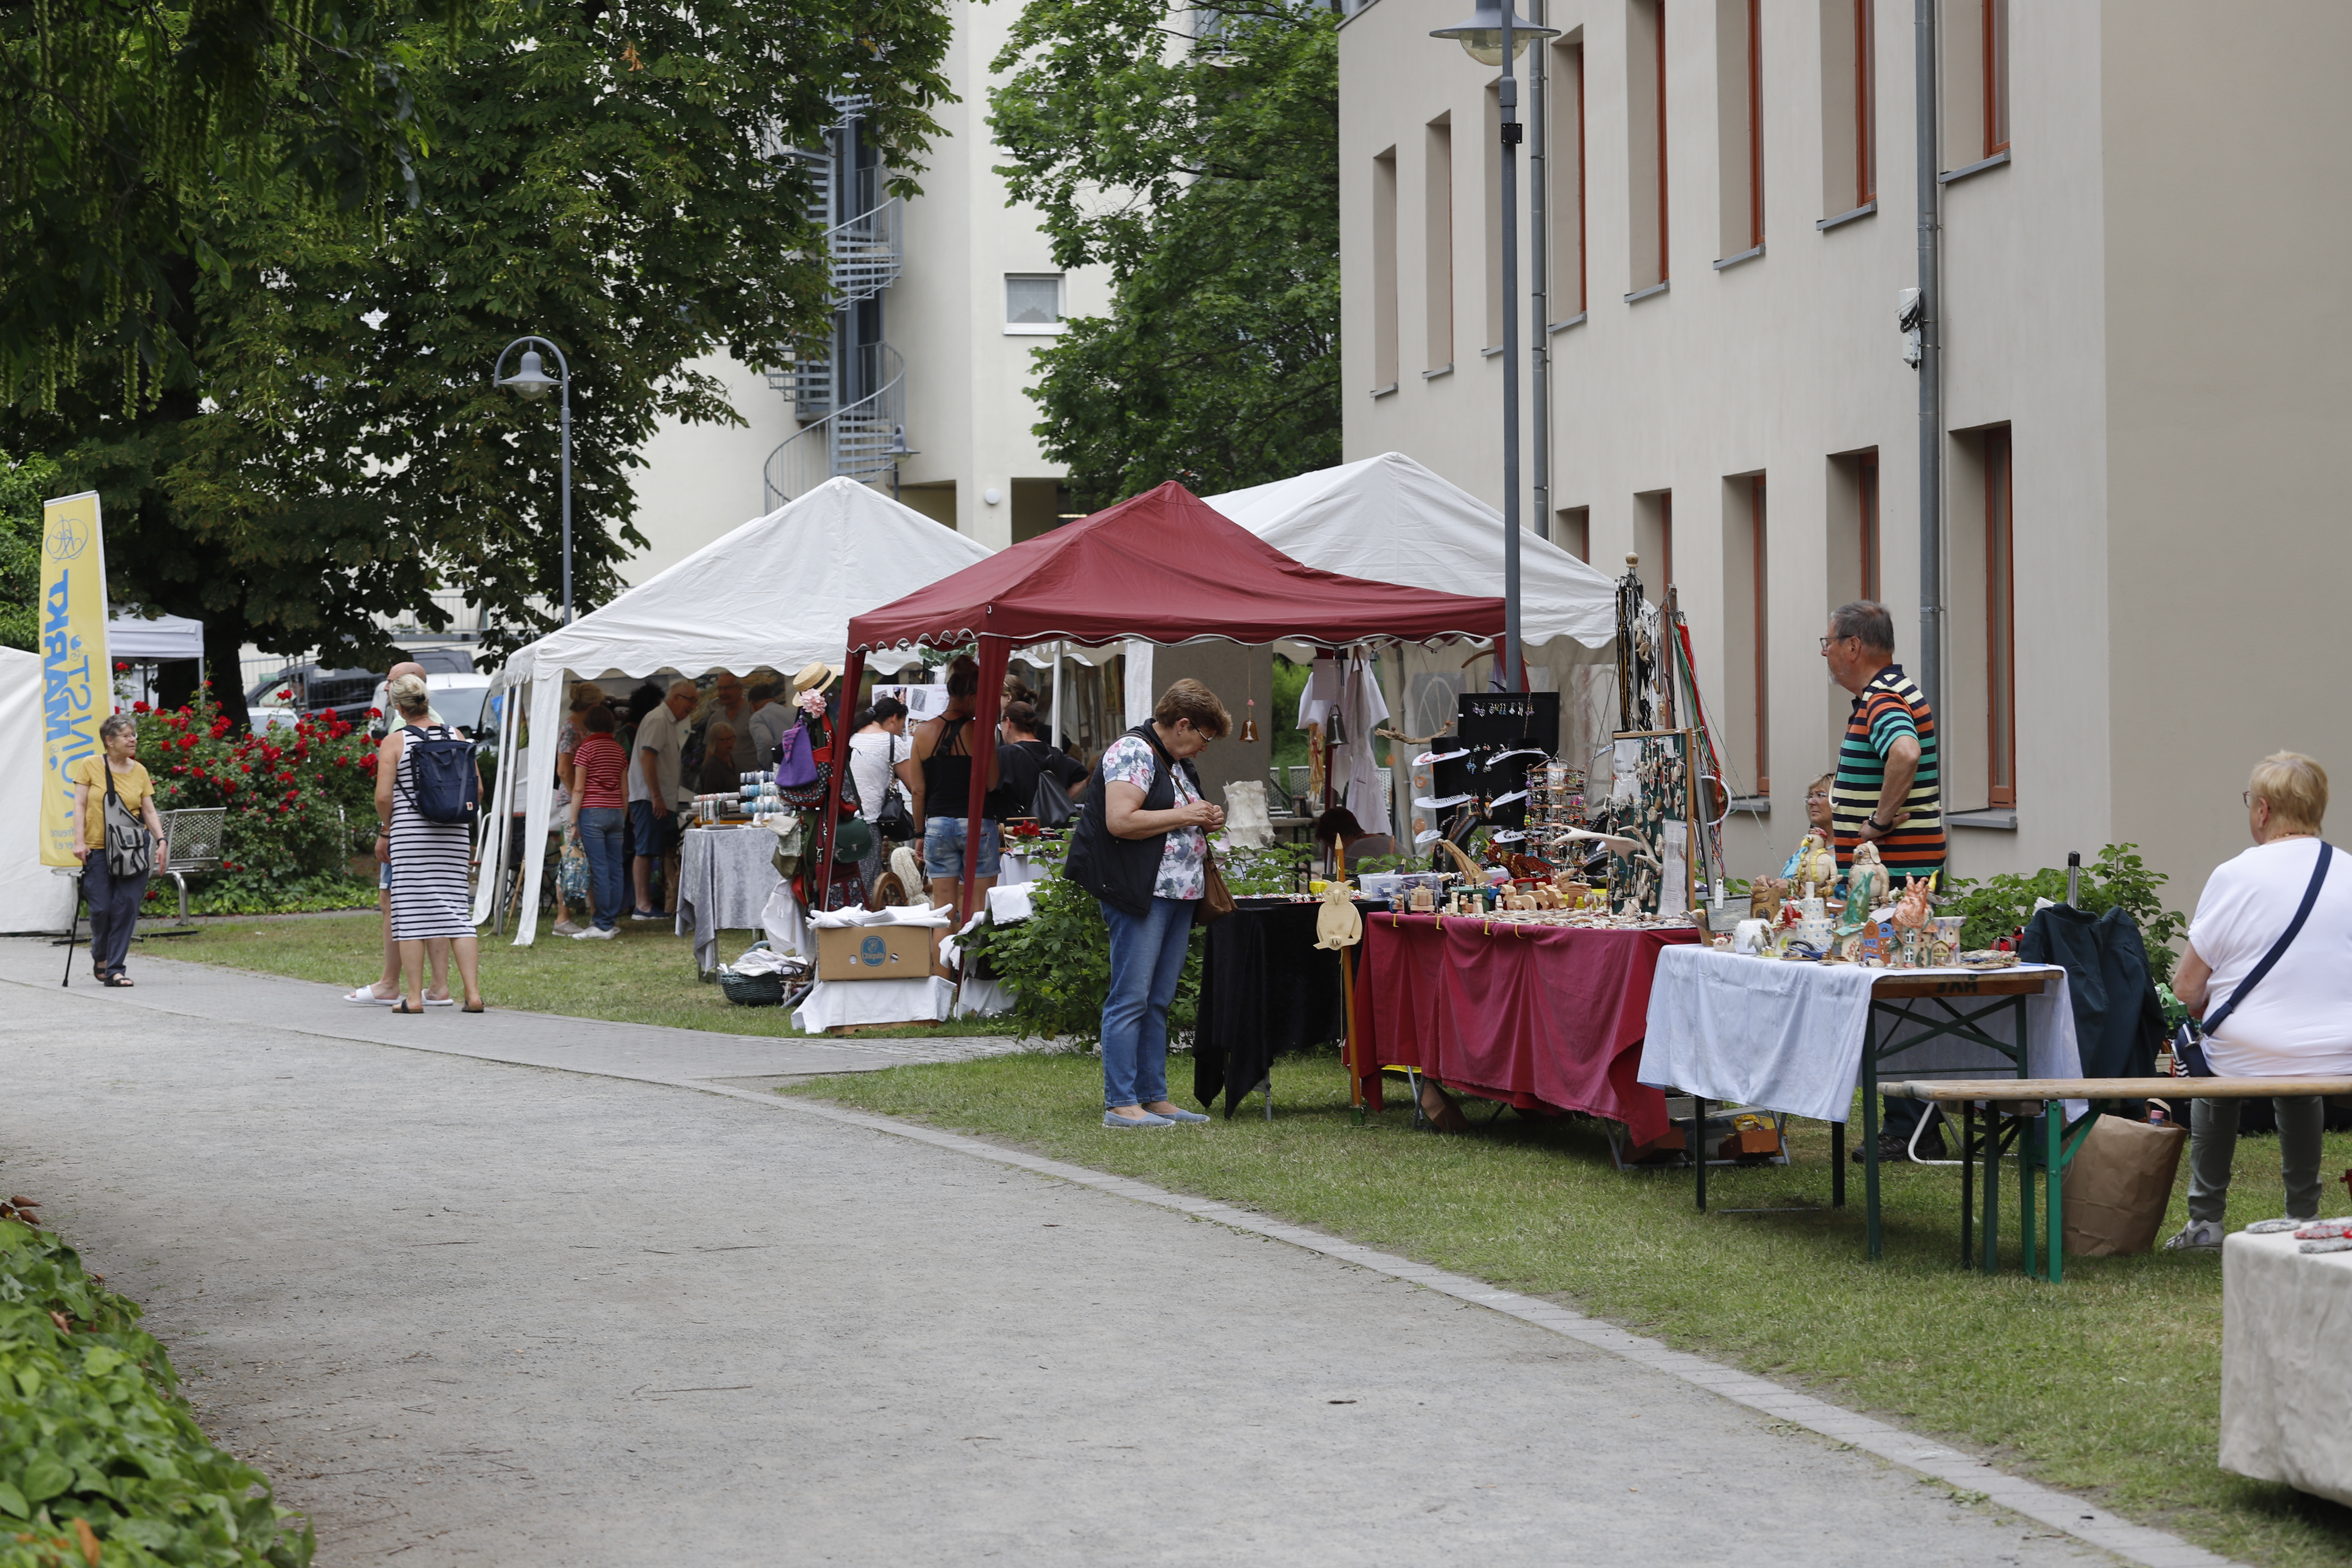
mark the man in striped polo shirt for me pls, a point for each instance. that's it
(1887, 791)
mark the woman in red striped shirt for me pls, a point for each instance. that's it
(601, 803)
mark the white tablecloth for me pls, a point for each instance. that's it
(725, 875)
(1788, 1037)
(832, 1002)
(2286, 1388)
(1013, 869)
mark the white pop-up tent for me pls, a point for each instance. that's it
(779, 591)
(1391, 519)
(31, 897)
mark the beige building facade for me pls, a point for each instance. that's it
(2141, 414)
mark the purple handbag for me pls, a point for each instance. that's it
(795, 759)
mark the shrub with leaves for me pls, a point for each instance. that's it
(300, 801)
(2118, 878)
(1057, 962)
(101, 1461)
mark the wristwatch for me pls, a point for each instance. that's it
(1882, 826)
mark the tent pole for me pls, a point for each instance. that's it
(852, 675)
(986, 702)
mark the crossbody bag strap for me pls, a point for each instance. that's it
(2278, 949)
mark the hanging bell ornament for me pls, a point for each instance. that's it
(1249, 723)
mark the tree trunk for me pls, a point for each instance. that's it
(223, 667)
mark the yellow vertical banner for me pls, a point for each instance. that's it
(77, 681)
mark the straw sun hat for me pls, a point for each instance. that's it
(817, 677)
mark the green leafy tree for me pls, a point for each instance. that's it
(22, 487)
(621, 182)
(1196, 153)
(120, 123)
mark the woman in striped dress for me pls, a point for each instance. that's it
(430, 860)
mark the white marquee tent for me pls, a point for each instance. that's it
(1393, 520)
(779, 591)
(31, 897)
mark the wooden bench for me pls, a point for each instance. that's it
(2022, 1100)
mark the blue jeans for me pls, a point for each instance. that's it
(943, 848)
(603, 834)
(1147, 959)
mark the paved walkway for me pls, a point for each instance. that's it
(475, 1311)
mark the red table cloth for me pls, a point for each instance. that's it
(1544, 1018)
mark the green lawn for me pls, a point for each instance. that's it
(644, 976)
(2108, 1383)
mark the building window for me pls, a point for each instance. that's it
(1849, 107)
(1653, 541)
(1032, 302)
(1567, 169)
(1645, 137)
(1759, 584)
(1384, 269)
(1974, 45)
(1996, 76)
(1491, 185)
(1866, 517)
(1739, 121)
(2000, 617)
(1437, 193)
(1571, 529)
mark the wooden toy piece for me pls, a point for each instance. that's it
(1422, 902)
(1764, 895)
(1337, 924)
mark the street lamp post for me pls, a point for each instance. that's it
(532, 381)
(1494, 36)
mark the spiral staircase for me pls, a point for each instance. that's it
(852, 401)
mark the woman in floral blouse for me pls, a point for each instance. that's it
(1139, 845)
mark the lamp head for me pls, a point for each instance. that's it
(897, 446)
(533, 380)
(1481, 36)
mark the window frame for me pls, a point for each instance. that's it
(1866, 513)
(1760, 584)
(2000, 616)
(1994, 72)
(1054, 329)
(1866, 103)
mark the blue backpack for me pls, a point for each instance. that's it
(446, 787)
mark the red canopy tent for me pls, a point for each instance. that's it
(1163, 566)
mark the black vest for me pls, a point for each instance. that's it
(1123, 871)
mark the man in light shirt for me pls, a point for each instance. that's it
(661, 748)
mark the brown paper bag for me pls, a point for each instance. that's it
(2119, 1186)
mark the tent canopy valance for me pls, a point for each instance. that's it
(1166, 567)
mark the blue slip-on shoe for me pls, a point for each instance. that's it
(1178, 1113)
(1126, 1124)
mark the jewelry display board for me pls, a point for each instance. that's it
(1652, 800)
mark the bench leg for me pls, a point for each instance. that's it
(1992, 1191)
(2053, 1124)
(1968, 1180)
(1837, 1164)
(2025, 1237)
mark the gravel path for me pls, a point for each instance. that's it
(467, 1311)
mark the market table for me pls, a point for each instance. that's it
(2286, 1389)
(1795, 1038)
(1539, 1017)
(1265, 989)
(725, 875)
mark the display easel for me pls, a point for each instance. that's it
(1654, 800)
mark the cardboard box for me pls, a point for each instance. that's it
(876, 952)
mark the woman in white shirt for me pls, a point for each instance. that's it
(877, 752)
(2296, 1022)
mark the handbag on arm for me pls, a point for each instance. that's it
(129, 851)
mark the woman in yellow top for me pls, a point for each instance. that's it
(113, 900)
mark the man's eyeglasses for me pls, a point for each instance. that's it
(1826, 641)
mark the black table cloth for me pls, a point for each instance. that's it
(1265, 989)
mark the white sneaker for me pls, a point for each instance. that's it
(2197, 1236)
(566, 927)
(594, 933)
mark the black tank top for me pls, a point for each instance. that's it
(947, 779)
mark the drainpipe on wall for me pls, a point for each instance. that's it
(1539, 179)
(1929, 671)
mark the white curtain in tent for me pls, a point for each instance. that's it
(32, 899)
(780, 591)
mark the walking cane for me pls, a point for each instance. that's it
(73, 928)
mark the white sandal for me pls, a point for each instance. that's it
(366, 994)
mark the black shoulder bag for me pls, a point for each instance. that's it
(893, 823)
(129, 850)
(2187, 1042)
